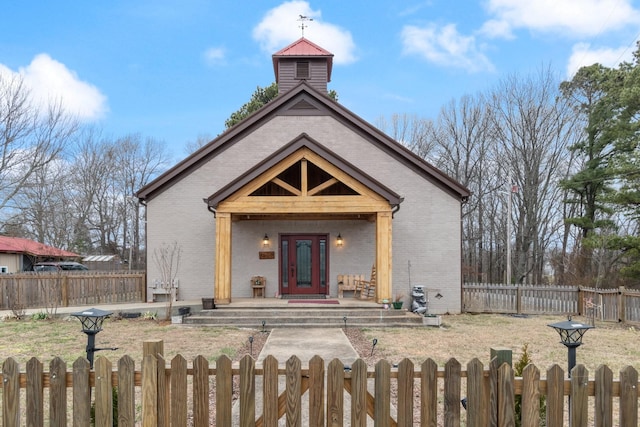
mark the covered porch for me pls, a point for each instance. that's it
(302, 184)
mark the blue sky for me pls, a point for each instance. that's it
(174, 70)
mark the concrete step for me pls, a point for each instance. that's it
(303, 317)
(302, 311)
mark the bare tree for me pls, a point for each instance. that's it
(535, 127)
(414, 132)
(95, 201)
(167, 259)
(193, 146)
(45, 206)
(462, 141)
(138, 162)
(30, 138)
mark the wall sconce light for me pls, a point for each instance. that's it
(265, 240)
(339, 240)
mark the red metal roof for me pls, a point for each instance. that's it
(303, 48)
(25, 246)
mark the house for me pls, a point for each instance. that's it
(304, 190)
(17, 254)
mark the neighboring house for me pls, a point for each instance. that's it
(281, 187)
(17, 254)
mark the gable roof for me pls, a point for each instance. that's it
(305, 100)
(19, 245)
(303, 140)
(303, 48)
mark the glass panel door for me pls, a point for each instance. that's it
(304, 264)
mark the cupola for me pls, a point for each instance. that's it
(302, 60)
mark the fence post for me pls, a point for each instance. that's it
(153, 348)
(622, 312)
(499, 356)
(580, 301)
(504, 355)
(519, 299)
(65, 291)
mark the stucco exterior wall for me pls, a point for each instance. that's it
(426, 229)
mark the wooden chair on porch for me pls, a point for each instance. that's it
(258, 285)
(366, 289)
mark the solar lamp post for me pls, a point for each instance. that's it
(571, 333)
(91, 321)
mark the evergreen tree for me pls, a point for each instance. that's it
(260, 97)
(606, 99)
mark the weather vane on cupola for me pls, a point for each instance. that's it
(304, 19)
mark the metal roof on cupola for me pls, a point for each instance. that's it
(298, 52)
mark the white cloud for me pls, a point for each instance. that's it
(497, 29)
(280, 27)
(51, 81)
(443, 45)
(214, 56)
(577, 18)
(583, 55)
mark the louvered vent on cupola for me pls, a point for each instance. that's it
(302, 61)
(302, 70)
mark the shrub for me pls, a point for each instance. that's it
(518, 368)
(41, 315)
(150, 315)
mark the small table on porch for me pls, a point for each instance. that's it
(258, 285)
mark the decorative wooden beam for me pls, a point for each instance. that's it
(302, 204)
(290, 188)
(318, 188)
(383, 256)
(222, 293)
(303, 177)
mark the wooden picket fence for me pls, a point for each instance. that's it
(614, 305)
(68, 288)
(175, 394)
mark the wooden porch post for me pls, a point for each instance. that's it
(383, 256)
(222, 292)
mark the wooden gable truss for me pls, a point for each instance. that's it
(303, 185)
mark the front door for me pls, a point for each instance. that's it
(303, 266)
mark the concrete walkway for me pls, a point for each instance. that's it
(305, 343)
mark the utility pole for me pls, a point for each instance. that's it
(508, 281)
(512, 189)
